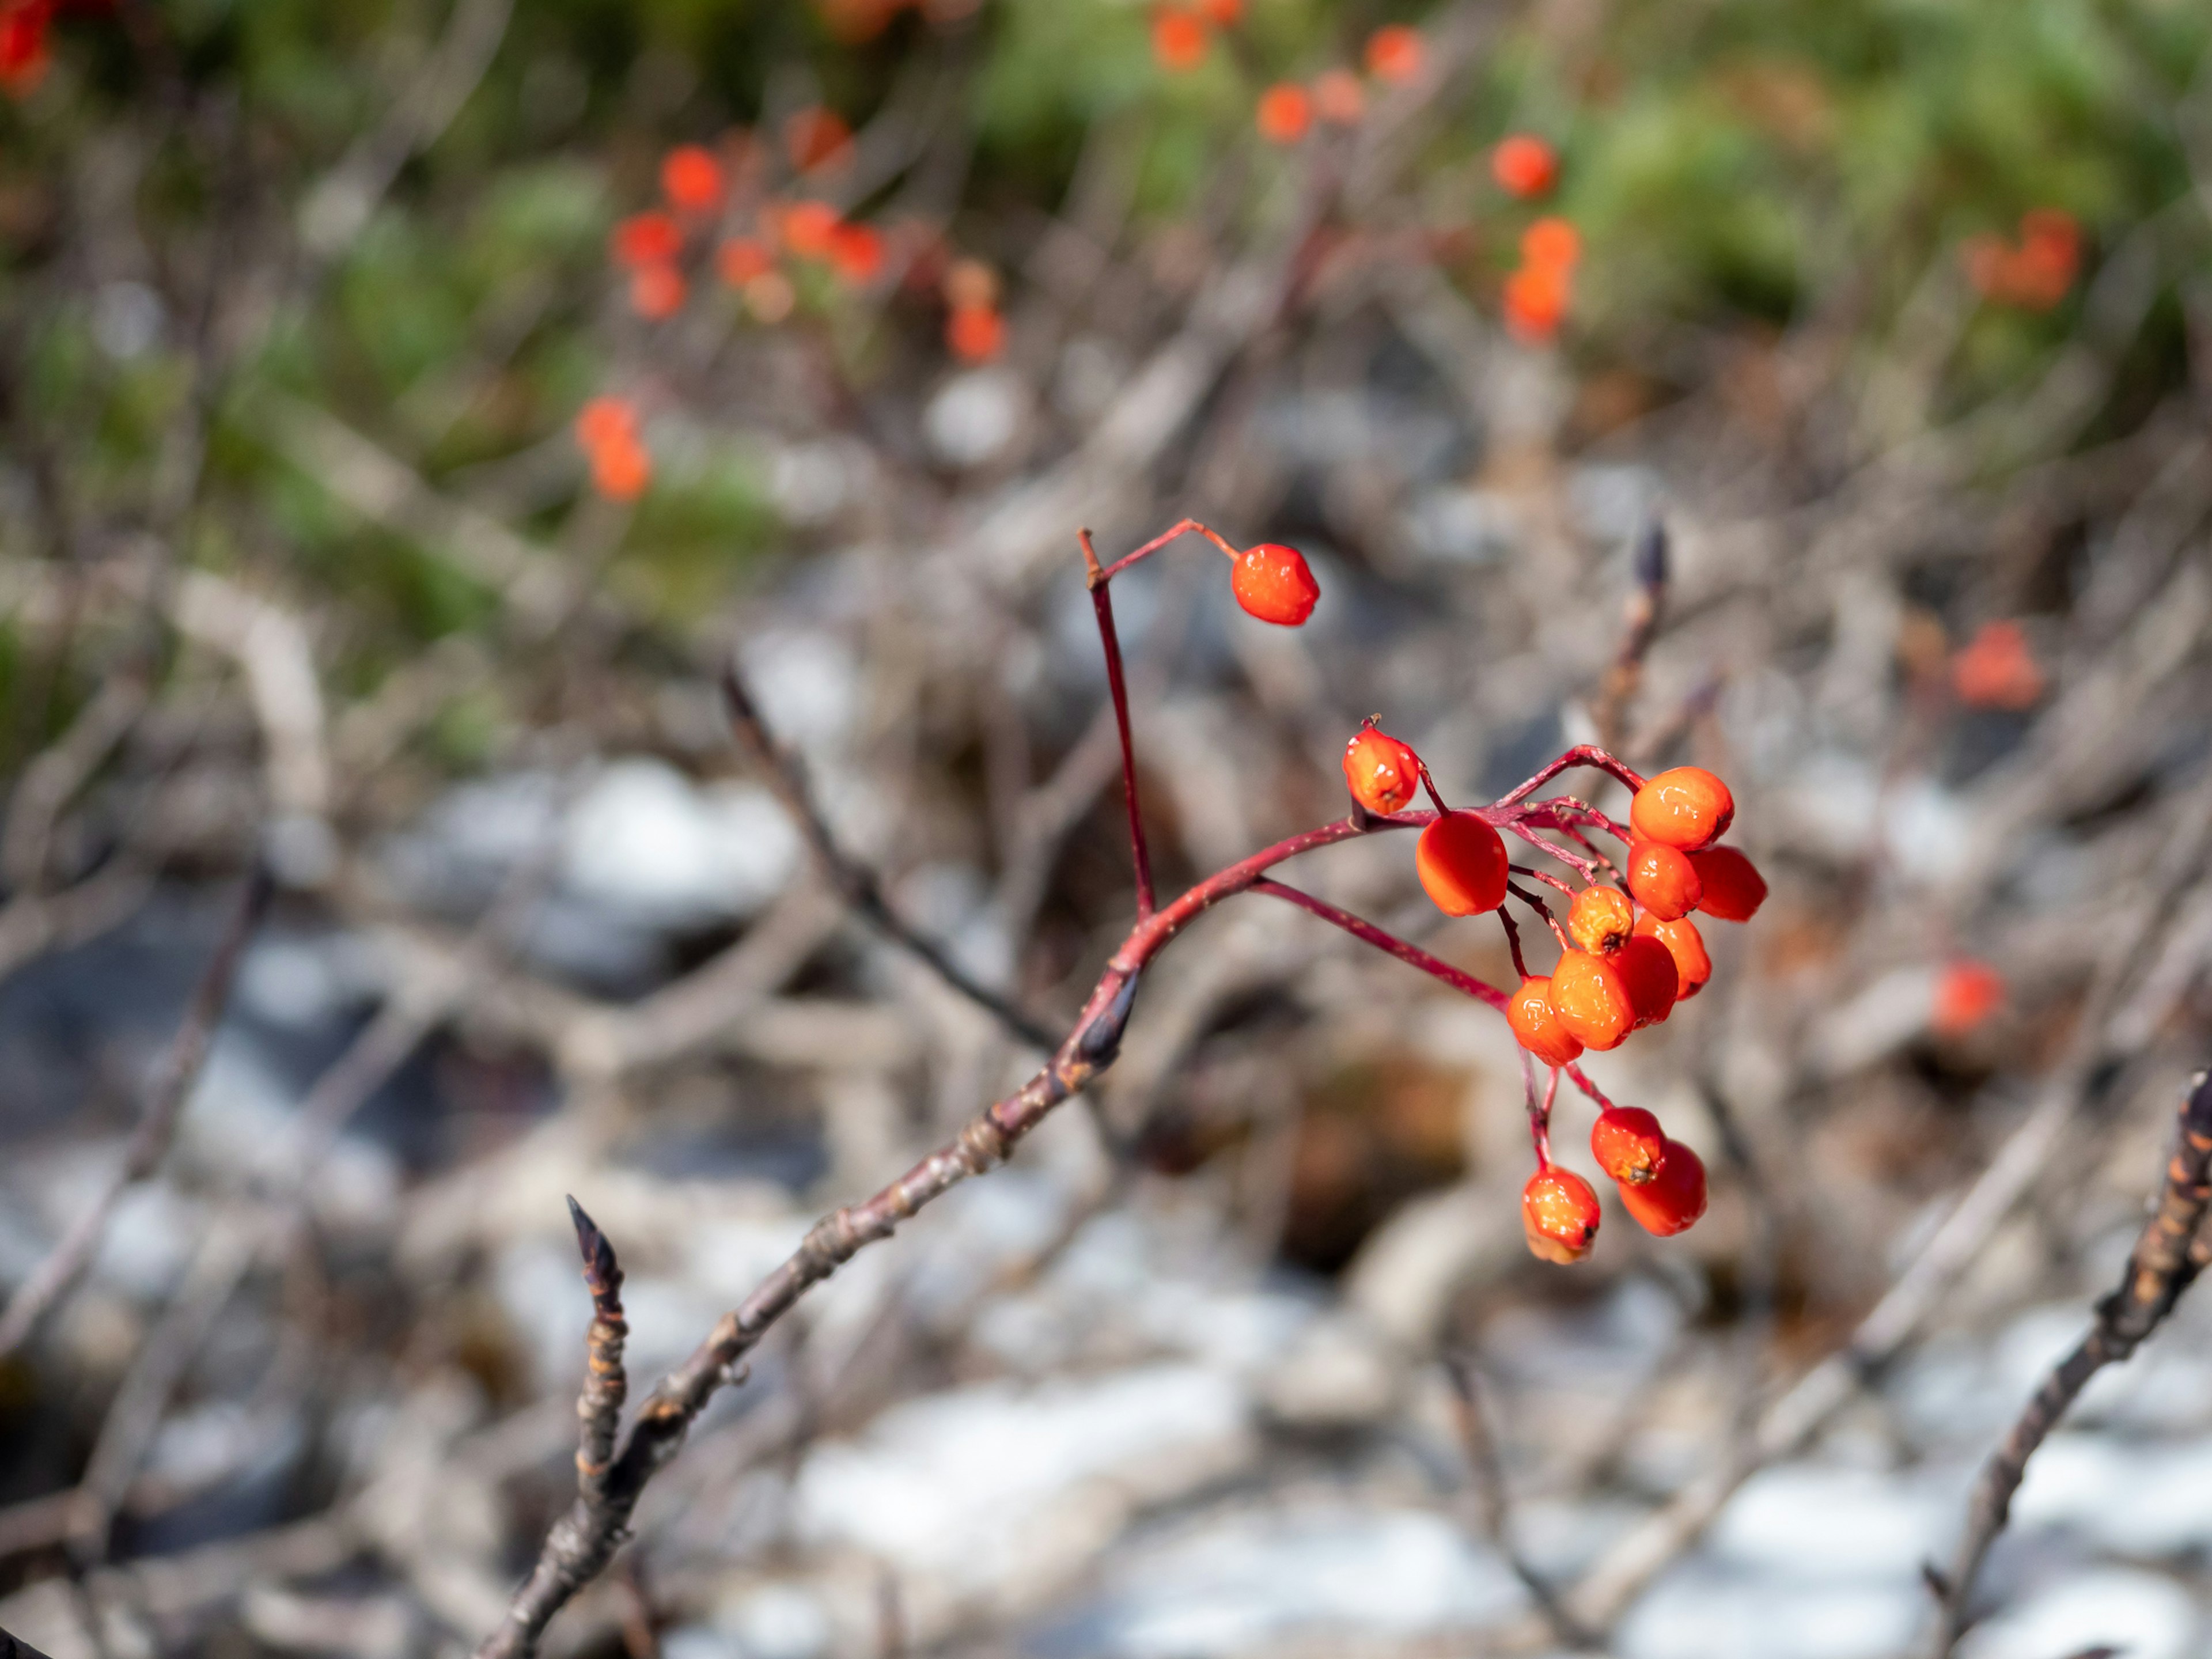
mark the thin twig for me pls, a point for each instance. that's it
(1609, 710)
(1102, 603)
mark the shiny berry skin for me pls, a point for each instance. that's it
(1560, 1213)
(1628, 1144)
(1692, 967)
(1733, 889)
(1384, 773)
(1601, 919)
(1273, 583)
(1664, 880)
(1536, 1024)
(1672, 1199)
(1591, 1000)
(1686, 807)
(1461, 862)
(1647, 967)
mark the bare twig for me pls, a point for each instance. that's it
(1609, 710)
(607, 1385)
(2165, 1261)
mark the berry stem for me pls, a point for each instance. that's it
(1540, 1112)
(1183, 526)
(1539, 906)
(1582, 754)
(1513, 941)
(1519, 826)
(1102, 604)
(1383, 940)
(1430, 784)
(1583, 1082)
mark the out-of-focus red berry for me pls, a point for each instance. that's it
(1285, 113)
(1222, 14)
(1395, 54)
(1552, 244)
(1592, 1000)
(1536, 1024)
(809, 228)
(1693, 966)
(1664, 880)
(1272, 582)
(1524, 166)
(1536, 302)
(1339, 99)
(646, 238)
(1628, 1144)
(741, 259)
(1601, 919)
(1382, 773)
(975, 334)
(603, 421)
(816, 137)
(1996, 669)
(1179, 39)
(620, 470)
(1647, 967)
(692, 178)
(1462, 864)
(1733, 889)
(24, 53)
(656, 292)
(1560, 1213)
(1967, 993)
(856, 254)
(2049, 257)
(970, 282)
(1672, 1199)
(1684, 807)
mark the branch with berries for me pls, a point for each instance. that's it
(1628, 954)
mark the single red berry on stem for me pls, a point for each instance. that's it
(1384, 773)
(1592, 1000)
(1461, 862)
(1272, 582)
(1536, 1024)
(1560, 1213)
(1647, 967)
(1733, 888)
(1663, 879)
(1692, 967)
(1672, 1199)
(1601, 919)
(1628, 1144)
(1686, 807)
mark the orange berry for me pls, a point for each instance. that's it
(656, 292)
(1692, 967)
(1967, 994)
(620, 470)
(1461, 862)
(1601, 919)
(809, 228)
(692, 178)
(1668, 1202)
(1536, 1024)
(1524, 166)
(603, 421)
(975, 334)
(1663, 879)
(817, 137)
(1686, 807)
(1592, 1000)
(1286, 112)
(1560, 1213)
(1394, 52)
(1995, 670)
(1628, 1144)
(1647, 967)
(1552, 244)
(1273, 583)
(856, 254)
(1733, 889)
(646, 238)
(1536, 302)
(971, 284)
(1384, 773)
(1178, 41)
(741, 259)
(1339, 99)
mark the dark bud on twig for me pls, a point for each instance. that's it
(1101, 1039)
(1651, 555)
(601, 1272)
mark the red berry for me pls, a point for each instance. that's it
(1628, 1144)
(646, 238)
(976, 333)
(1560, 1213)
(1692, 967)
(1339, 99)
(741, 259)
(1663, 879)
(1178, 41)
(1536, 1024)
(1967, 994)
(1394, 52)
(692, 178)
(1733, 889)
(810, 228)
(1601, 920)
(1647, 967)
(1686, 807)
(856, 254)
(656, 292)
(1551, 243)
(1672, 1199)
(1524, 165)
(1592, 1000)
(817, 137)
(1286, 112)
(1273, 583)
(1384, 773)
(604, 421)
(1536, 298)
(1461, 862)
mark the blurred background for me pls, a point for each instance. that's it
(409, 405)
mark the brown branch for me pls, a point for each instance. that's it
(855, 883)
(2164, 1263)
(1609, 711)
(1489, 1471)
(607, 1385)
(50, 1280)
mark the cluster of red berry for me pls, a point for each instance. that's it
(1628, 954)
(2036, 272)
